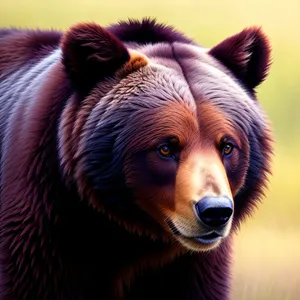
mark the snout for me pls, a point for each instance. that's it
(214, 212)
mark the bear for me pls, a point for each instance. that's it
(130, 155)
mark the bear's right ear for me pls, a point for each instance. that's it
(90, 52)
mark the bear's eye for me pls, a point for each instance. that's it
(227, 149)
(164, 151)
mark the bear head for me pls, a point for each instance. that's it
(163, 136)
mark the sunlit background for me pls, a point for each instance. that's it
(267, 248)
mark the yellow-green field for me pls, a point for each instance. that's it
(267, 248)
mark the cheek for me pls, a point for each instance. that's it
(149, 170)
(236, 168)
(161, 171)
(152, 181)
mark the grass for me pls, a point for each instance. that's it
(267, 249)
(267, 264)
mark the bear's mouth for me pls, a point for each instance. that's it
(206, 238)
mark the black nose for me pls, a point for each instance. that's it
(214, 211)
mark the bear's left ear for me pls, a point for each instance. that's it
(246, 54)
(90, 52)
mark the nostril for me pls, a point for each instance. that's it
(214, 212)
(215, 216)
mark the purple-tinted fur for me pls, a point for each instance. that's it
(147, 31)
(45, 226)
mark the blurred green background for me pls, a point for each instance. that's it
(267, 248)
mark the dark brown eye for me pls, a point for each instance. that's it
(164, 151)
(227, 149)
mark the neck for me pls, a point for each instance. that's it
(91, 243)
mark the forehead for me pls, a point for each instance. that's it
(206, 80)
(188, 76)
(182, 91)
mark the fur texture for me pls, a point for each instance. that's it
(108, 139)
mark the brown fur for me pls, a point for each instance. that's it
(137, 61)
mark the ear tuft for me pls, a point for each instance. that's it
(246, 54)
(90, 53)
(137, 61)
